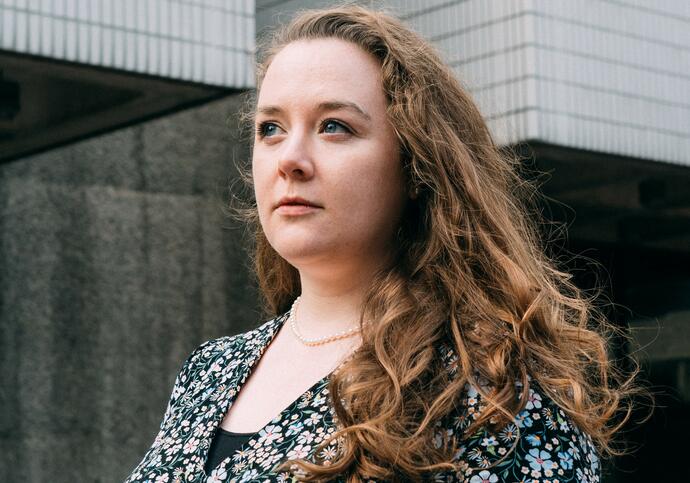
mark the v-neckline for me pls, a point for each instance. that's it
(252, 362)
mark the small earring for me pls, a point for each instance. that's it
(415, 193)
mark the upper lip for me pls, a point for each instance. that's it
(295, 200)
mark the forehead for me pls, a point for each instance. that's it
(310, 70)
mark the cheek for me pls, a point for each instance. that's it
(377, 185)
(261, 192)
(258, 177)
(387, 177)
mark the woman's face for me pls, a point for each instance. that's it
(325, 149)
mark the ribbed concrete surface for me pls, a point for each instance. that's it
(115, 262)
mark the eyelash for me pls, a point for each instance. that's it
(262, 126)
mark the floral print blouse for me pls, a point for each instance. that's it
(550, 447)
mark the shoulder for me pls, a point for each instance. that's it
(234, 346)
(541, 444)
(215, 358)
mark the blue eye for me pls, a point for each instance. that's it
(330, 127)
(266, 129)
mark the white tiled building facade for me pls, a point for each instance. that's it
(205, 41)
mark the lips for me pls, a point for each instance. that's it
(296, 201)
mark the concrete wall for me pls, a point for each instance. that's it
(115, 263)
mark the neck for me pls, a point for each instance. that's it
(330, 306)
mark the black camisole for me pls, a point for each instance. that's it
(224, 444)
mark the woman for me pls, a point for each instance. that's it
(423, 334)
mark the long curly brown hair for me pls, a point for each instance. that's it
(471, 271)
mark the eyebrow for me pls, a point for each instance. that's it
(323, 106)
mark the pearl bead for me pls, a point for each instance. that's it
(320, 340)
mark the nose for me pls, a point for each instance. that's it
(295, 159)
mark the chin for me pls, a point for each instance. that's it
(299, 253)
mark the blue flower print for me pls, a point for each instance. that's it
(566, 459)
(539, 459)
(534, 439)
(523, 420)
(490, 441)
(294, 428)
(594, 461)
(250, 475)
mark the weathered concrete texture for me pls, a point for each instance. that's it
(116, 261)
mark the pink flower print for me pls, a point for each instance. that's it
(190, 446)
(299, 451)
(269, 434)
(484, 477)
(533, 400)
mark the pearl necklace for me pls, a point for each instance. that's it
(319, 340)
